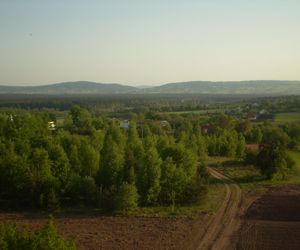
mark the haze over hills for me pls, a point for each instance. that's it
(262, 87)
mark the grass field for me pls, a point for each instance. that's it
(210, 203)
(249, 177)
(287, 117)
(199, 112)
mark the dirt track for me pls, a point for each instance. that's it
(223, 226)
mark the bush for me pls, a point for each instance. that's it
(108, 198)
(127, 197)
(193, 193)
(82, 190)
(49, 194)
(11, 238)
(250, 157)
(49, 239)
(45, 239)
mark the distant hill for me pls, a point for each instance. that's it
(243, 87)
(197, 87)
(69, 88)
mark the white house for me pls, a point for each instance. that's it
(51, 125)
(124, 124)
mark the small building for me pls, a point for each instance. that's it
(252, 116)
(207, 129)
(124, 124)
(263, 112)
(164, 123)
(252, 147)
(52, 125)
(234, 111)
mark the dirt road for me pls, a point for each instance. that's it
(224, 224)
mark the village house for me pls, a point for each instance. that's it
(52, 125)
(124, 124)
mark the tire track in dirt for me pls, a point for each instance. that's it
(222, 226)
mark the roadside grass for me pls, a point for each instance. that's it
(249, 177)
(287, 117)
(295, 155)
(209, 203)
(60, 121)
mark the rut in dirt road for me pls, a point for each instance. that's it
(218, 235)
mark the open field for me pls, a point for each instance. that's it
(199, 112)
(117, 232)
(273, 221)
(287, 117)
(249, 177)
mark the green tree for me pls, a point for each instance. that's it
(40, 165)
(240, 147)
(49, 239)
(60, 166)
(272, 158)
(81, 118)
(112, 163)
(89, 159)
(134, 154)
(149, 176)
(127, 197)
(173, 182)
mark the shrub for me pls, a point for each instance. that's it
(47, 238)
(250, 157)
(82, 190)
(127, 197)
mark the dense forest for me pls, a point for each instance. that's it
(153, 159)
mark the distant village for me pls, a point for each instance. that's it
(252, 113)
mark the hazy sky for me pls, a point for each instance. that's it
(148, 42)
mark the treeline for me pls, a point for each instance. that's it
(92, 161)
(119, 102)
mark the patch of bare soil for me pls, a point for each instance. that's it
(116, 232)
(273, 221)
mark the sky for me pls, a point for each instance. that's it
(139, 42)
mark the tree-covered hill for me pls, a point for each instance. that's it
(243, 87)
(81, 87)
(196, 87)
